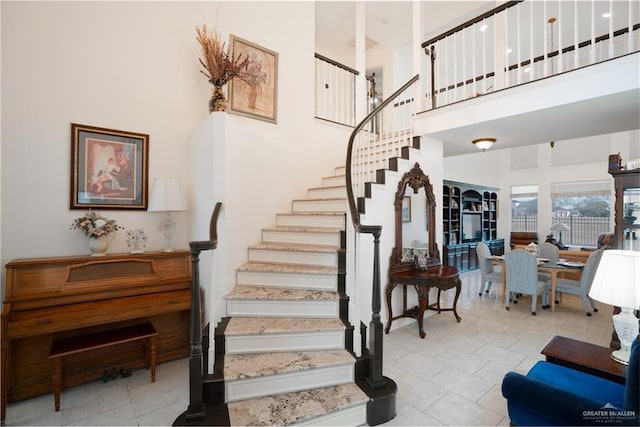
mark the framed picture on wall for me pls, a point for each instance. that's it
(109, 168)
(406, 209)
(256, 93)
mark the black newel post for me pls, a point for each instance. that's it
(196, 408)
(375, 378)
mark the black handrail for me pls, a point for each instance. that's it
(375, 378)
(336, 63)
(355, 215)
(196, 409)
(472, 21)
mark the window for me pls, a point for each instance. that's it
(524, 208)
(585, 207)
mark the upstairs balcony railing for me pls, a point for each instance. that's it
(522, 41)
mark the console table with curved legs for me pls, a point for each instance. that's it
(440, 277)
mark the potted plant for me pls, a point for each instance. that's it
(220, 66)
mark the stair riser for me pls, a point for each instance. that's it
(271, 308)
(330, 181)
(307, 237)
(311, 221)
(289, 382)
(320, 259)
(327, 193)
(324, 282)
(354, 416)
(301, 341)
(319, 205)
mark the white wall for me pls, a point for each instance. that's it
(134, 66)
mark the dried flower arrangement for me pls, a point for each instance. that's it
(220, 65)
(95, 225)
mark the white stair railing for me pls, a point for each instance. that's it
(522, 41)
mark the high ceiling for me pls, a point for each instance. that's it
(388, 26)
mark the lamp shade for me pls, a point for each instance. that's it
(617, 279)
(166, 196)
(559, 226)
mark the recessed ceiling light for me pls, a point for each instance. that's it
(509, 50)
(484, 27)
(526, 70)
(606, 15)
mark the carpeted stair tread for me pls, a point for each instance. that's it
(310, 229)
(272, 325)
(255, 365)
(293, 408)
(273, 293)
(312, 213)
(301, 247)
(285, 268)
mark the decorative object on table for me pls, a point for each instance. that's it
(629, 210)
(136, 240)
(617, 283)
(559, 227)
(220, 65)
(254, 94)
(166, 196)
(421, 258)
(98, 229)
(108, 168)
(532, 248)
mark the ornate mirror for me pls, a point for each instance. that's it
(407, 211)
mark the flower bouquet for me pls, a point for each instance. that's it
(95, 225)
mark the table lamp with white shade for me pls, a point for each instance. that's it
(166, 196)
(617, 283)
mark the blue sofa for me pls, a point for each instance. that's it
(554, 395)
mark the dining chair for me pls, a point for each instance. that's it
(581, 287)
(522, 278)
(488, 273)
(552, 253)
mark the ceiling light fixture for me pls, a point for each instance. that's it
(484, 143)
(606, 15)
(483, 27)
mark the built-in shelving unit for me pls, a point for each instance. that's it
(469, 216)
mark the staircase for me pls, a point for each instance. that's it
(286, 346)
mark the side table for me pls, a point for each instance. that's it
(586, 357)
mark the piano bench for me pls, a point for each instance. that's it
(109, 338)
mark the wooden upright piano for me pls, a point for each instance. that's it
(59, 297)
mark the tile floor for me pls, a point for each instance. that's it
(450, 378)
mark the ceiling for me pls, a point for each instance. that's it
(388, 26)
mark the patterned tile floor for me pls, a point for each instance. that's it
(452, 377)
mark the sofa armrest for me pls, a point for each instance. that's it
(533, 402)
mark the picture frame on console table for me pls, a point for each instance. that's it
(109, 168)
(256, 94)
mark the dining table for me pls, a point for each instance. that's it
(545, 265)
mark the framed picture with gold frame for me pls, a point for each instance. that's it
(256, 93)
(109, 168)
